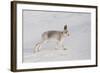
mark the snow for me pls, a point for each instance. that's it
(78, 44)
(75, 50)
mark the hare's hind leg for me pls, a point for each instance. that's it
(36, 47)
(39, 45)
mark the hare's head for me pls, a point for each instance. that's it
(66, 33)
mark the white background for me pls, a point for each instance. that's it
(5, 37)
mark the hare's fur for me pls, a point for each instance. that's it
(55, 35)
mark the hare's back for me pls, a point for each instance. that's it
(52, 34)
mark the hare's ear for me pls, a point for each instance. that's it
(65, 27)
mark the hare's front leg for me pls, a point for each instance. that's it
(61, 45)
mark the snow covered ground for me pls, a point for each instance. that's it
(78, 44)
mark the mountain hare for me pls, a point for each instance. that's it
(54, 35)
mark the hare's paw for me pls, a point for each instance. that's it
(65, 48)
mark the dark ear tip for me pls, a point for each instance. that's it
(65, 27)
